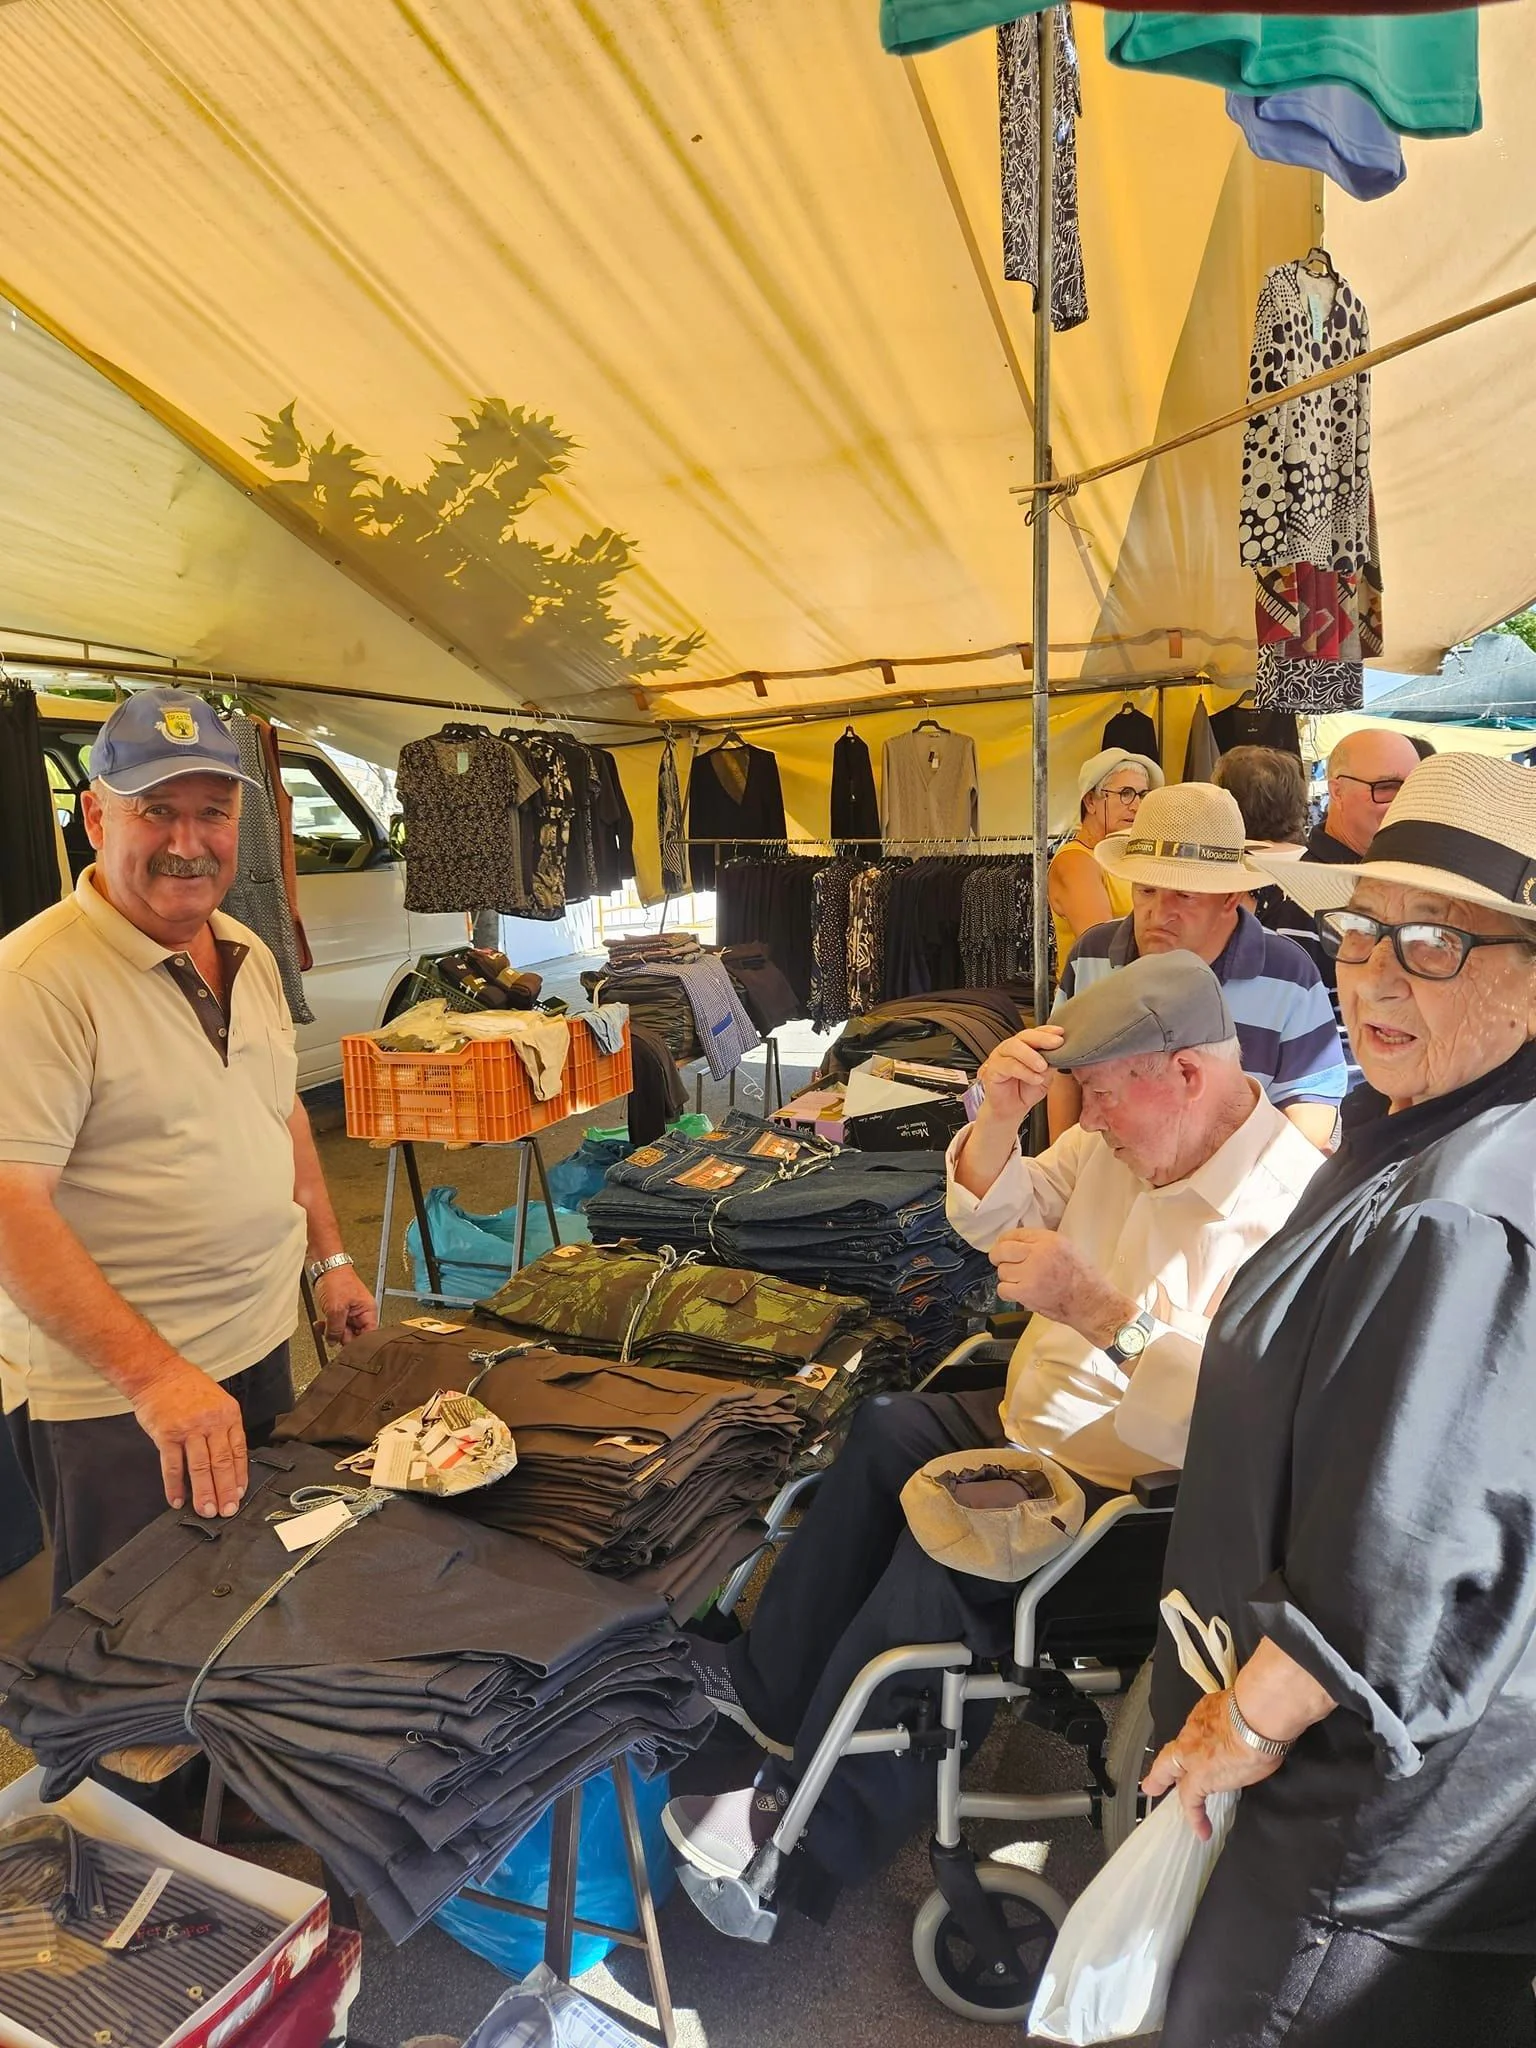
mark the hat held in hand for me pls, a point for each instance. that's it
(1189, 836)
(998, 1514)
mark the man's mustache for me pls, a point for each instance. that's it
(206, 867)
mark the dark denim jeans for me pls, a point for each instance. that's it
(21, 1528)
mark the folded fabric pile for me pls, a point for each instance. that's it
(405, 1697)
(629, 1470)
(749, 1194)
(632, 948)
(658, 1005)
(950, 1028)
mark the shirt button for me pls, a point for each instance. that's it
(222, 1032)
(181, 959)
(222, 1591)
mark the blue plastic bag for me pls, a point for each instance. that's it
(603, 1890)
(474, 1253)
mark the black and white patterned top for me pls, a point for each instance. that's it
(1306, 465)
(1018, 109)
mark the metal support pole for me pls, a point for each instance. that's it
(1040, 679)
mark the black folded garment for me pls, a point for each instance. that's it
(407, 1704)
(623, 1468)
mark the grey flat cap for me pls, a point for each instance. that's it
(1160, 1003)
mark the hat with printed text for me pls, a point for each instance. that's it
(1187, 837)
(157, 736)
(1163, 1002)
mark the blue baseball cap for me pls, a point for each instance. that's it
(157, 735)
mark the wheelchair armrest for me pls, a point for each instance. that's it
(1157, 1489)
(1008, 1323)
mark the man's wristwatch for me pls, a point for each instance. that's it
(1262, 1745)
(1131, 1339)
(320, 1266)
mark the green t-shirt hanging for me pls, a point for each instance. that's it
(908, 27)
(1418, 70)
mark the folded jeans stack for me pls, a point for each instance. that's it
(870, 1224)
(406, 1704)
(629, 1470)
(827, 1349)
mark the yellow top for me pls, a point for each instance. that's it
(175, 1170)
(1119, 904)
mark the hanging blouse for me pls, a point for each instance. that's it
(459, 795)
(1306, 493)
(1018, 111)
(675, 879)
(928, 787)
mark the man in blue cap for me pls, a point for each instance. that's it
(159, 1184)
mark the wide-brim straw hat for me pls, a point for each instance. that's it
(1462, 825)
(1189, 836)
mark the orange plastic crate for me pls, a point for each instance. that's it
(480, 1095)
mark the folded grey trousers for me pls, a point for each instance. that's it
(407, 1705)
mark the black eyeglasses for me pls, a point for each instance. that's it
(1432, 952)
(1128, 795)
(1382, 791)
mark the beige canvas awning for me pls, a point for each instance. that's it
(713, 288)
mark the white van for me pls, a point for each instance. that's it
(351, 884)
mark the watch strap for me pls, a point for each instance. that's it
(1261, 1745)
(1144, 1322)
(320, 1267)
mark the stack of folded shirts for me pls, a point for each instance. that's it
(627, 1469)
(634, 947)
(658, 1003)
(864, 1223)
(407, 1704)
(828, 1350)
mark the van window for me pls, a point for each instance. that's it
(330, 832)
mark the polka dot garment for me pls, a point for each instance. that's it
(1306, 465)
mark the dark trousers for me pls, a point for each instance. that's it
(1252, 1976)
(852, 1582)
(21, 1533)
(97, 1480)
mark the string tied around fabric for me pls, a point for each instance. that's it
(361, 1502)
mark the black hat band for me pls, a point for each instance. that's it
(1417, 842)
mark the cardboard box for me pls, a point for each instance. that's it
(304, 1911)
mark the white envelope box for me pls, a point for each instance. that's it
(304, 1911)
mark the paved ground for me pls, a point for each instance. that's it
(852, 1982)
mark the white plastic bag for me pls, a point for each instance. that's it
(1109, 1972)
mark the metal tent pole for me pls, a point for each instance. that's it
(1041, 508)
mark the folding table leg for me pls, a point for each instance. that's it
(213, 1805)
(418, 1200)
(560, 1909)
(381, 1278)
(544, 1189)
(520, 1233)
(640, 1878)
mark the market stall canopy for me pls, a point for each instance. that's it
(1494, 679)
(579, 353)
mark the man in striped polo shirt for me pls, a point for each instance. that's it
(1185, 860)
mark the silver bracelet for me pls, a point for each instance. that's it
(1261, 1745)
(329, 1265)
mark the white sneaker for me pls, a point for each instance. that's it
(719, 1833)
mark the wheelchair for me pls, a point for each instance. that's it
(1084, 1628)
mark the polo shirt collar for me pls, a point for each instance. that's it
(1240, 959)
(1122, 944)
(123, 936)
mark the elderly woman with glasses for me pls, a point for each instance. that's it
(1110, 788)
(1359, 1495)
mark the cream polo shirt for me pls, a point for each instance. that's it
(1173, 1249)
(176, 1171)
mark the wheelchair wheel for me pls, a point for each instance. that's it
(1128, 1759)
(948, 1963)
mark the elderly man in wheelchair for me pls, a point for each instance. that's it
(861, 1673)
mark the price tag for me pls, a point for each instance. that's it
(299, 1531)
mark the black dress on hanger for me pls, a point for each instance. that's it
(1133, 730)
(733, 793)
(1243, 725)
(855, 807)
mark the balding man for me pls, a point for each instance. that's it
(159, 1186)
(1365, 772)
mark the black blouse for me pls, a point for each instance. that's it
(1360, 1486)
(718, 811)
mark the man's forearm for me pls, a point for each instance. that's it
(55, 1282)
(323, 1235)
(989, 1145)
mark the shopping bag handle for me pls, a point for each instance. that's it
(1205, 1648)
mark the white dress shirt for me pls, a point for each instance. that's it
(1173, 1249)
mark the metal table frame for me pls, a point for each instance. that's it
(529, 1158)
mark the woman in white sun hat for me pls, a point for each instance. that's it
(1359, 1496)
(1110, 787)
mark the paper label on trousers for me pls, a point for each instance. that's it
(299, 1531)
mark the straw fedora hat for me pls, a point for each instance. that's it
(1188, 836)
(1462, 825)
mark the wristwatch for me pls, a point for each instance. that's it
(1261, 1745)
(320, 1266)
(1131, 1339)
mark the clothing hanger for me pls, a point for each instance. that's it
(731, 738)
(930, 725)
(1318, 263)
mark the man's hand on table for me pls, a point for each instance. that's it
(345, 1305)
(1045, 1272)
(200, 1434)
